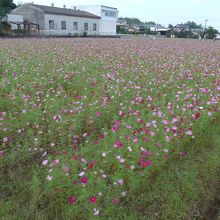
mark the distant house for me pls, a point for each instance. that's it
(157, 28)
(122, 23)
(108, 17)
(181, 28)
(197, 31)
(59, 21)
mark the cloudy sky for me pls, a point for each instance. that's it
(160, 11)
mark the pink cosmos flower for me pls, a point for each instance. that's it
(82, 173)
(128, 137)
(49, 178)
(55, 162)
(66, 169)
(151, 133)
(44, 162)
(217, 88)
(116, 201)
(2, 153)
(167, 139)
(209, 113)
(57, 118)
(98, 114)
(123, 193)
(115, 128)
(72, 199)
(165, 122)
(14, 75)
(5, 139)
(121, 182)
(146, 140)
(118, 157)
(189, 133)
(122, 160)
(135, 140)
(118, 144)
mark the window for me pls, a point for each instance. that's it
(112, 14)
(107, 13)
(86, 26)
(94, 27)
(51, 24)
(75, 26)
(63, 25)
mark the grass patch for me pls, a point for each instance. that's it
(183, 189)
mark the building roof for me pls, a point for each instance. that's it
(108, 7)
(183, 26)
(65, 11)
(198, 30)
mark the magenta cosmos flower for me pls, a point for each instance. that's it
(116, 201)
(72, 200)
(84, 180)
(92, 199)
(118, 144)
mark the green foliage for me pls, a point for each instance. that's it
(182, 34)
(84, 34)
(131, 21)
(4, 26)
(211, 32)
(20, 31)
(5, 7)
(170, 26)
(193, 25)
(121, 30)
(150, 22)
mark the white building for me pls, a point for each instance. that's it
(14, 20)
(50, 20)
(109, 17)
(59, 21)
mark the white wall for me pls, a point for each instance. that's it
(107, 24)
(30, 14)
(107, 27)
(14, 18)
(69, 25)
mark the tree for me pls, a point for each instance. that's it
(150, 22)
(211, 32)
(131, 21)
(170, 26)
(5, 7)
(120, 30)
(193, 25)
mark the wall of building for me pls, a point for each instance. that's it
(14, 19)
(107, 24)
(69, 25)
(107, 27)
(31, 14)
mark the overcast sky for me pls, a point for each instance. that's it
(160, 11)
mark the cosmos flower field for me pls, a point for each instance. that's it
(85, 123)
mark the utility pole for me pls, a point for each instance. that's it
(205, 23)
